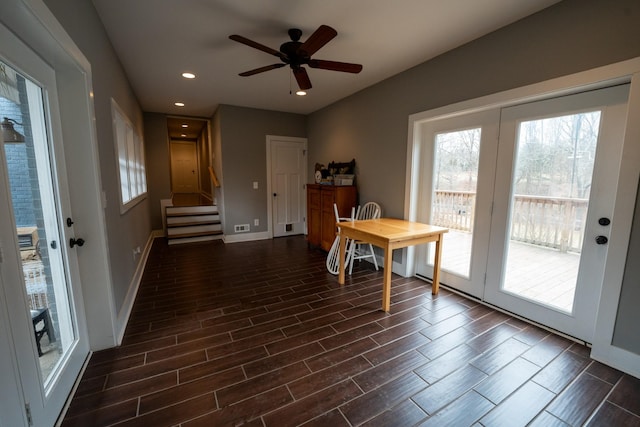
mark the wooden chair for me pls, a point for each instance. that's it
(362, 250)
(333, 262)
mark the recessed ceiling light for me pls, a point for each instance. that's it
(179, 104)
(188, 75)
(301, 93)
(184, 125)
(184, 135)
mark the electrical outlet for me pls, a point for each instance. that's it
(255, 185)
(256, 222)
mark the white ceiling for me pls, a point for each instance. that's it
(157, 40)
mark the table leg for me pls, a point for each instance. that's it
(436, 266)
(386, 284)
(342, 253)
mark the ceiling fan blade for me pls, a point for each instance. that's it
(335, 66)
(257, 45)
(261, 70)
(319, 38)
(302, 78)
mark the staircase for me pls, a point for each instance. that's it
(192, 224)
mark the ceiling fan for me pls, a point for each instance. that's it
(296, 54)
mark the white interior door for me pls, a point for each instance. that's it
(287, 180)
(184, 167)
(38, 268)
(556, 175)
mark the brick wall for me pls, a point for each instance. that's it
(18, 169)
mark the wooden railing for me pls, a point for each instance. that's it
(554, 222)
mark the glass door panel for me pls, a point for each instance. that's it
(35, 217)
(551, 184)
(455, 172)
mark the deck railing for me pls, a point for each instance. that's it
(36, 282)
(554, 222)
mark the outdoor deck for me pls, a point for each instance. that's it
(544, 274)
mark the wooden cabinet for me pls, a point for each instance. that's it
(321, 221)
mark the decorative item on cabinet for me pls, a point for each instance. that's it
(321, 219)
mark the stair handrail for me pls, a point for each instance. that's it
(214, 178)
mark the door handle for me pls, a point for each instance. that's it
(274, 194)
(601, 240)
(73, 242)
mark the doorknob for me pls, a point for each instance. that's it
(73, 242)
(601, 240)
(274, 194)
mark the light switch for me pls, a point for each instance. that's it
(255, 185)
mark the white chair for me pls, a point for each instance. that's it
(362, 250)
(333, 262)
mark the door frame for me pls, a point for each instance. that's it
(622, 72)
(34, 24)
(303, 200)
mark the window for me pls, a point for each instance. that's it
(130, 155)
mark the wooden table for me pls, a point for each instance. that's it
(390, 234)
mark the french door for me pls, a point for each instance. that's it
(39, 277)
(533, 234)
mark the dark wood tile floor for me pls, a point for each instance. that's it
(259, 334)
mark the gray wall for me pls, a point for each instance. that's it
(158, 164)
(372, 125)
(132, 229)
(243, 142)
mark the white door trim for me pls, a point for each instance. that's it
(303, 201)
(603, 349)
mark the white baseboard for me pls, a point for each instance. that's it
(246, 237)
(127, 305)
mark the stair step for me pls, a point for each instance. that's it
(177, 241)
(180, 221)
(195, 234)
(172, 211)
(190, 230)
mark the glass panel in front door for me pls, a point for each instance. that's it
(455, 178)
(554, 159)
(35, 215)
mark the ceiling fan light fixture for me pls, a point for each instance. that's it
(179, 104)
(184, 125)
(301, 93)
(188, 75)
(296, 54)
